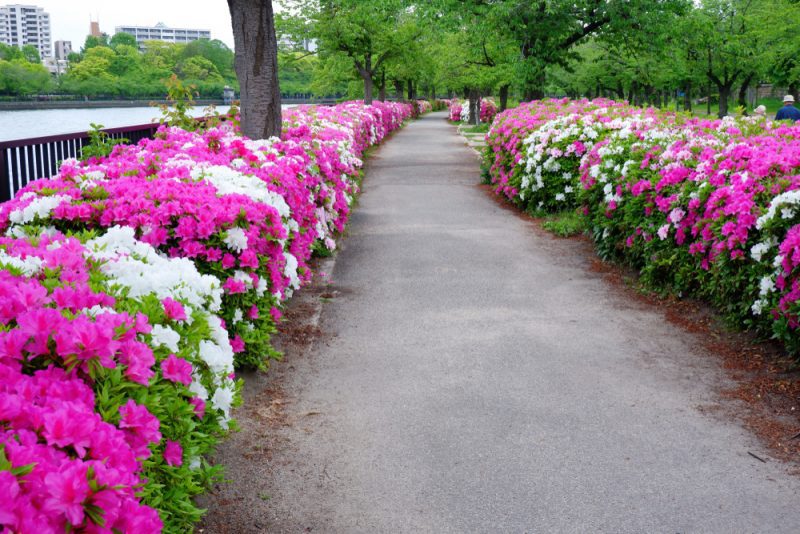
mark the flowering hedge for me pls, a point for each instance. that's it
(422, 106)
(459, 110)
(702, 207)
(129, 288)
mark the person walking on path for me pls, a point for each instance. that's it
(788, 111)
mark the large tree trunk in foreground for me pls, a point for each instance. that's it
(256, 64)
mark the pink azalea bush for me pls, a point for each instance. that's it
(488, 110)
(459, 110)
(107, 350)
(422, 106)
(456, 108)
(249, 212)
(129, 288)
(702, 207)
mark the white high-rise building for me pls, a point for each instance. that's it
(22, 25)
(160, 32)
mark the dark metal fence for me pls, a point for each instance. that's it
(25, 160)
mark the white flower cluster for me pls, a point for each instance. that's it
(786, 202)
(228, 181)
(29, 266)
(290, 270)
(235, 239)
(465, 111)
(164, 336)
(137, 266)
(40, 206)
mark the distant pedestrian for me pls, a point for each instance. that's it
(760, 111)
(788, 111)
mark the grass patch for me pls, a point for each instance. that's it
(565, 224)
(477, 128)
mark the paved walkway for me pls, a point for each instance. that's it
(479, 377)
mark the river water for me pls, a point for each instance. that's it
(41, 122)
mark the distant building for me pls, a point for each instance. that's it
(94, 28)
(56, 66)
(22, 25)
(287, 43)
(62, 49)
(160, 32)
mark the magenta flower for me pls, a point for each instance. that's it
(234, 286)
(237, 344)
(138, 420)
(173, 309)
(9, 491)
(199, 406)
(173, 453)
(68, 488)
(177, 370)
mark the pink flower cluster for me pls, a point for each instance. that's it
(73, 460)
(704, 207)
(248, 211)
(126, 285)
(459, 110)
(488, 110)
(422, 106)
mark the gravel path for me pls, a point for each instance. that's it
(474, 375)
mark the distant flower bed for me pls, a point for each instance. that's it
(701, 207)
(459, 110)
(132, 285)
(422, 106)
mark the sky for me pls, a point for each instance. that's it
(69, 19)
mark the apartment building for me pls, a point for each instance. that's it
(161, 32)
(22, 25)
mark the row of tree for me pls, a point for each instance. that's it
(646, 51)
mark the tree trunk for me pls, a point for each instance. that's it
(398, 90)
(433, 92)
(256, 64)
(687, 97)
(708, 100)
(632, 93)
(367, 87)
(503, 97)
(382, 91)
(620, 91)
(724, 94)
(365, 70)
(410, 87)
(742, 100)
(474, 106)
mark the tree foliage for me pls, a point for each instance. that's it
(118, 68)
